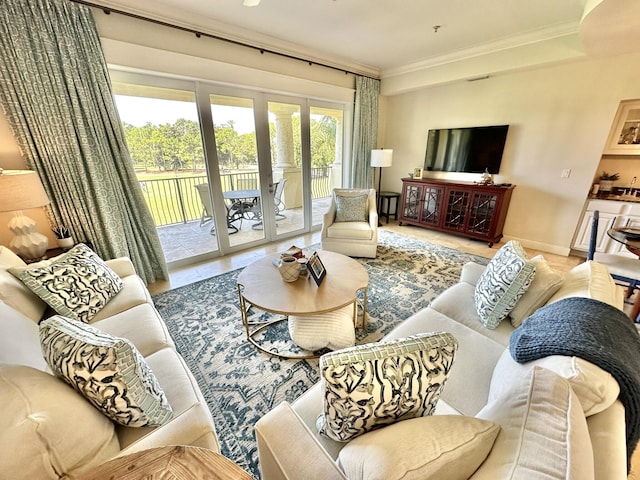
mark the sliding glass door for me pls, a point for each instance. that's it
(259, 152)
(163, 133)
(233, 145)
(289, 154)
(327, 126)
(224, 169)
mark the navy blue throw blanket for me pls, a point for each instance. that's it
(596, 332)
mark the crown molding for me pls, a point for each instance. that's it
(529, 38)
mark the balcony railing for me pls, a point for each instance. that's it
(176, 200)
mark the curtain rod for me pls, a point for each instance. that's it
(198, 34)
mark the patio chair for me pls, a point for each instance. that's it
(277, 198)
(207, 206)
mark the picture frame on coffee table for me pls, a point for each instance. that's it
(316, 268)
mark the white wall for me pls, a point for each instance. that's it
(560, 118)
(148, 47)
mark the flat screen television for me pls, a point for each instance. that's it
(470, 150)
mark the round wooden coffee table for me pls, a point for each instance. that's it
(167, 463)
(260, 285)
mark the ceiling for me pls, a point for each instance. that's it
(378, 36)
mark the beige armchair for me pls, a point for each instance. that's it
(350, 226)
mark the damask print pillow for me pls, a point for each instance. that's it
(76, 284)
(370, 386)
(352, 208)
(108, 371)
(506, 279)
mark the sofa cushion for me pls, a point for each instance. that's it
(595, 388)
(19, 342)
(443, 447)
(351, 208)
(47, 429)
(107, 370)
(191, 424)
(15, 293)
(457, 303)
(503, 282)
(141, 325)
(544, 432)
(350, 230)
(589, 280)
(545, 283)
(134, 292)
(372, 385)
(77, 284)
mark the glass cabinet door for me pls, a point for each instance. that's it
(456, 209)
(483, 207)
(431, 204)
(412, 200)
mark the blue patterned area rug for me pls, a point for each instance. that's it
(240, 383)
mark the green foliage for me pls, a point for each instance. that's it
(607, 176)
(166, 147)
(60, 231)
(178, 146)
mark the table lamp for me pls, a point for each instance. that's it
(21, 190)
(381, 158)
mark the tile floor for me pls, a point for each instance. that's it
(185, 275)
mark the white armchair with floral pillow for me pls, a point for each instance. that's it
(350, 226)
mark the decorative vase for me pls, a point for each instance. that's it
(289, 268)
(606, 185)
(66, 243)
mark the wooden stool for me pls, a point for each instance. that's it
(385, 211)
(171, 462)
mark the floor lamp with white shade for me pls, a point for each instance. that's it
(381, 158)
(22, 190)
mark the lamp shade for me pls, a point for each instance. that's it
(381, 157)
(21, 190)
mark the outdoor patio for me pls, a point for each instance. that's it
(183, 240)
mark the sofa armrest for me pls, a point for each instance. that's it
(471, 272)
(607, 432)
(328, 218)
(288, 450)
(184, 429)
(373, 213)
(122, 266)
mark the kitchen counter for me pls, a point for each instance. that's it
(617, 198)
(616, 211)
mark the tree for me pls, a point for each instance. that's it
(167, 147)
(323, 141)
(178, 146)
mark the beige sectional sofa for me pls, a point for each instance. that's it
(49, 430)
(559, 417)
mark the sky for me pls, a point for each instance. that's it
(138, 111)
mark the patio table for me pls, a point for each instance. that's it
(242, 202)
